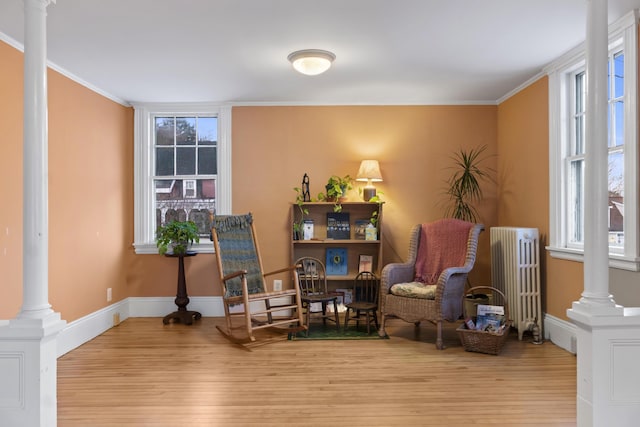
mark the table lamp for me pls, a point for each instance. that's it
(370, 172)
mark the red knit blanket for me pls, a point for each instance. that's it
(443, 244)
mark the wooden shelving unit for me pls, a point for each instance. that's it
(318, 245)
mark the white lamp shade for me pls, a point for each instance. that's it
(369, 171)
(311, 61)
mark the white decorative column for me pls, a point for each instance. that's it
(28, 343)
(608, 335)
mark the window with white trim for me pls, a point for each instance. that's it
(567, 103)
(182, 168)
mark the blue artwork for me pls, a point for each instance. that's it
(336, 262)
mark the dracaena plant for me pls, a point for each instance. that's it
(464, 186)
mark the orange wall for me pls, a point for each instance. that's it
(90, 193)
(273, 147)
(90, 197)
(11, 105)
(91, 184)
(523, 187)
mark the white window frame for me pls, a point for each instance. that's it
(144, 197)
(623, 33)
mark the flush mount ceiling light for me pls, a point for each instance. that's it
(311, 61)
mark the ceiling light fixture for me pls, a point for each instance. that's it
(311, 61)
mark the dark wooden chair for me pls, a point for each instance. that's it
(244, 285)
(364, 302)
(315, 296)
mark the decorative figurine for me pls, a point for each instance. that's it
(306, 196)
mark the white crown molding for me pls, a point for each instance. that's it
(19, 46)
(524, 85)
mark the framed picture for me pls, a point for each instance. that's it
(360, 229)
(338, 226)
(365, 263)
(336, 264)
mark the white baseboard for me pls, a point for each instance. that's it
(88, 327)
(561, 332)
(161, 306)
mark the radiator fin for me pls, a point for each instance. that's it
(515, 270)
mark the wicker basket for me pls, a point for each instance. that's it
(483, 341)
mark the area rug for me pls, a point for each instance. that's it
(318, 331)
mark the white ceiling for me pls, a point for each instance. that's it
(388, 52)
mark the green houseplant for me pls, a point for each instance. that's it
(337, 187)
(177, 235)
(298, 222)
(464, 188)
(336, 190)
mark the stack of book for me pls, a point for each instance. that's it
(490, 318)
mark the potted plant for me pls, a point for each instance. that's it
(298, 223)
(336, 190)
(464, 184)
(337, 187)
(177, 235)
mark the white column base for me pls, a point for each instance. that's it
(608, 348)
(28, 371)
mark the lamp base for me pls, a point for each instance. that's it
(368, 193)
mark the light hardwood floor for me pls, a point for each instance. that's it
(144, 373)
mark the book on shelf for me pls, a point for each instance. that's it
(365, 263)
(345, 296)
(307, 229)
(371, 232)
(310, 268)
(338, 226)
(360, 227)
(336, 264)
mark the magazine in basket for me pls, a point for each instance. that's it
(490, 318)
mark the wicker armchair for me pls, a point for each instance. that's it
(430, 284)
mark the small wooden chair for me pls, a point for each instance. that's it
(244, 285)
(315, 296)
(364, 302)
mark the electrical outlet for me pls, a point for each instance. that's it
(277, 285)
(109, 295)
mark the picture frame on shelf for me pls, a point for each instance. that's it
(365, 263)
(336, 262)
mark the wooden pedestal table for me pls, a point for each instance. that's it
(182, 315)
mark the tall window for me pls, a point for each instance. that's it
(182, 169)
(615, 141)
(567, 97)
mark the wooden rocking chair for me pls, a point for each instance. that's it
(244, 285)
